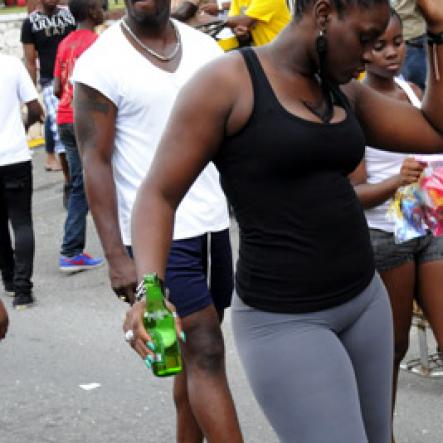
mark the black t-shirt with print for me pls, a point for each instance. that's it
(45, 33)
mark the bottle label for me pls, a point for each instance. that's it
(156, 315)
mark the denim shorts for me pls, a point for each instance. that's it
(389, 255)
(199, 272)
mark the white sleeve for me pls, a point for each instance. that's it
(25, 88)
(92, 70)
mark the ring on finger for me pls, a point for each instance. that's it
(129, 335)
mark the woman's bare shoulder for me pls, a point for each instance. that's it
(352, 91)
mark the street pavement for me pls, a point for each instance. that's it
(67, 375)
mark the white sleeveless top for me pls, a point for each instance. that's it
(381, 165)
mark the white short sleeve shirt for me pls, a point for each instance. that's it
(16, 88)
(144, 96)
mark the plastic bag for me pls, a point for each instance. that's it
(431, 189)
(406, 212)
(418, 208)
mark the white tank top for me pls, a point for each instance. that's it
(381, 165)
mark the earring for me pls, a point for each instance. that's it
(321, 43)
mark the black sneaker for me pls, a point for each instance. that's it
(22, 300)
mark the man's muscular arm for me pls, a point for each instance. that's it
(95, 117)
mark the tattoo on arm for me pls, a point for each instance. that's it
(92, 106)
(90, 100)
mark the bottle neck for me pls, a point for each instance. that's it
(154, 293)
(154, 298)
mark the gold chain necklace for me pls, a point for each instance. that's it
(163, 58)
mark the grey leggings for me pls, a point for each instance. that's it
(322, 377)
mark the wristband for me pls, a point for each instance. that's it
(140, 292)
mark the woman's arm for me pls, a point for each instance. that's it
(374, 194)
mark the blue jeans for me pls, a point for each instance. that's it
(75, 226)
(414, 67)
(49, 138)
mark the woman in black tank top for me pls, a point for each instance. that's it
(285, 124)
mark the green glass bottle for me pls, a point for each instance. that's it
(160, 325)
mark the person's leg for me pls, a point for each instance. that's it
(203, 381)
(75, 225)
(51, 163)
(369, 343)
(18, 187)
(6, 251)
(430, 297)
(397, 268)
(49, 139)
(305, 399)
(67, 185)
(51, 104)
(219, 267)
(188, 430)
(430, 287)
(73, 258)
(400, 284)
(206, 381)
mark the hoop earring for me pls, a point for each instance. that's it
(321, 44)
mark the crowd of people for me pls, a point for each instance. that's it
(296, 144)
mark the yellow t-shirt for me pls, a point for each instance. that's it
(271, 15)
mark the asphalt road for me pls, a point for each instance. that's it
(72, 339)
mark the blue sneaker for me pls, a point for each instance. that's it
(80, 262)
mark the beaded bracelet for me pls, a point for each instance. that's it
(140, 292)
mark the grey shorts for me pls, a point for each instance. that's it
(389, 255)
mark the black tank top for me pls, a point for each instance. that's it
(304, 241)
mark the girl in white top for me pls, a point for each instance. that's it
(413, 269)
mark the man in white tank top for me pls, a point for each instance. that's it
(125, 86)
